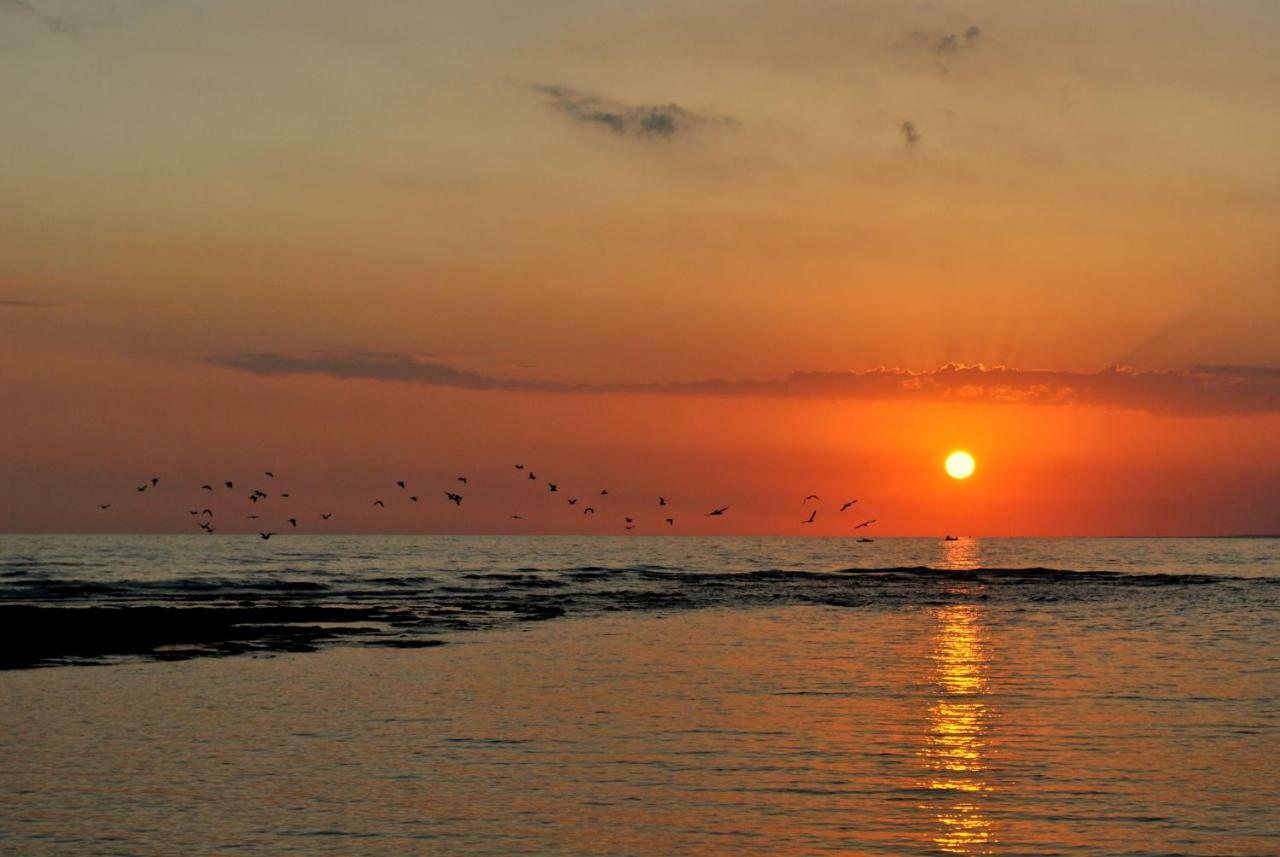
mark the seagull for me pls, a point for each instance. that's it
(462, 479)
(588, 511)
(671, 522)
(228, 484)
(519, 467)
(284, 495)
(573, 501)
(193, 511)
(456, 498)
(413, 497)
(206, 487)
(865, 524)
(206, 527)
(810, 497)
(142, 487)
(400, 482)
(552, 486)
(265, 536)
(379, 503)
(532, 475)
(604, 492)
(847, 505)
(631, 526)
(662, 501)
(104, 505)
(269, 474)
(293, 521)
(326, 515)
(154, 481)
(207, 513)
(716, 512)
(812, 515)
(629, 520)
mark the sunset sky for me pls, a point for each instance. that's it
(729, 253)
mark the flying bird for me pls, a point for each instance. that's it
(252, 517)
(228, 484)
(379, 503)
(662, 501)
(516, 518)
(400, 482)
(154, 481)
(206, 487)
(865, 524)
(208, 528)
(413, 497)
(812, 515)
(604, 492)
(553, 487)
(269, 474)
(631, 526)
(208, 513)
(293, 521)
(532, 475)
(573, 501)
(142, 487)
(810, 497)
(284, 495)
(462, 479)
(671, 522)
(519, 467)
(326, 515)
(265, 536)
(193, 511)
(589, 511)
(456, 498)
(716, 512)
(629, 521)
(104, 505)
(847, 505)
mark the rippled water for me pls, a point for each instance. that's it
(730, 696)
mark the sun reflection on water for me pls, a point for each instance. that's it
(955, 748)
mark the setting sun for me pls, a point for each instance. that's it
(960, 465)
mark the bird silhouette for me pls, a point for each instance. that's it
(413, 497)
(631, 526)
(154, 481)
(554, 488)
(208, 513)
(252, 517)
(516, 518)
(573, 501)
(400, 482)
(456, 498)
(532, 475)
(810, 497)
(326, 515)
(206, 487)
(847, 505)
(812, 515)
(716, 512)
(671, 522)
(284, 495)
(604, 492)
(265, 536)
(142, 487)
(104, 505)
(269, 474)
(519, 467)
(662, 501)
(208, 528)
(629, 521)
(865, 524)
(193, 511)
(462, 479)
(229, 484)
(293, 521)
(379, 503)
(589, 511)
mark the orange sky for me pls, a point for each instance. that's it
(359, 244)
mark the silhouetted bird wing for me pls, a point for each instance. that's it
(847, 505)
(379, 503)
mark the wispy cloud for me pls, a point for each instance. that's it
(661, 121)
(1194, 391)
(54, 23)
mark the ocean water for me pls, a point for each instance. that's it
(431, 695)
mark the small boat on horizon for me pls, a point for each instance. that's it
(951, 538)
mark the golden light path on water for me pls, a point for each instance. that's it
(955, 747)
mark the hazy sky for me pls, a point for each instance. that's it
(728, 252)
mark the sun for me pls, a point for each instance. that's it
(960, 465)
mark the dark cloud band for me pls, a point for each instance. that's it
(1194, 391)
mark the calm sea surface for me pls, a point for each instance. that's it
(431, 695)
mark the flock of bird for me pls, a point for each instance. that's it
(205, 515)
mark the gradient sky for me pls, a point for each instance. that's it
(732, 253)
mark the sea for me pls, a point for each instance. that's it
(638, 696)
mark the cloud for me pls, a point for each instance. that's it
(1194, 391)
(662, 121)
(54, 23)
(909, 132)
